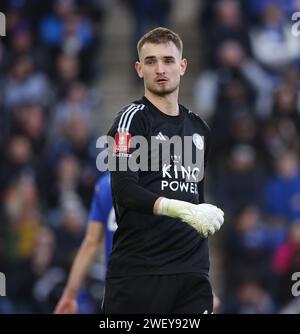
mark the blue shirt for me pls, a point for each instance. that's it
(102, 211)
(282, 197)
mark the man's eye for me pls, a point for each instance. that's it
(168, 61)
(149, 62)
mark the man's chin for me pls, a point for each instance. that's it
(162, 91)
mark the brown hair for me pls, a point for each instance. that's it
(158, 36)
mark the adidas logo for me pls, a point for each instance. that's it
(160, 136)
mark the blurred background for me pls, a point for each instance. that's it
(66, 69)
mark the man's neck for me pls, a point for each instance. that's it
(167, 104)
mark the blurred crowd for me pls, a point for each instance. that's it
(247, 90)
(50, 105)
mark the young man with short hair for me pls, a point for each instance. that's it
(160, 261)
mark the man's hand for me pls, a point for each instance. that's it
(204, 218)
(66, 305)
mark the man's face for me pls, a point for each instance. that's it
(160, 66)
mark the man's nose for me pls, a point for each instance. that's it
(160, 69)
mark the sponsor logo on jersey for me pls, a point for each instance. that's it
(198, 141)
(122, 142)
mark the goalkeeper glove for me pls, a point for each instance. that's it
(206, 219)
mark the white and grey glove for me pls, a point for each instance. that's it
(206, 219)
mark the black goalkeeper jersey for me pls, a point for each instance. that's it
(146, 244)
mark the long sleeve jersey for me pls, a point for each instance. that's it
(144, 243)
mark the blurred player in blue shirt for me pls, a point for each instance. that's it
(102, 211)
(101, 223)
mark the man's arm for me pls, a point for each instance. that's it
(126, 190)
(67, 303)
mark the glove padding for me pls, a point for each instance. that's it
(206, 219)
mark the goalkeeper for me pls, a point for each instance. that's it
(159, 261)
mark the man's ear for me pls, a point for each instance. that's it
(183, 66)
(138, 69)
